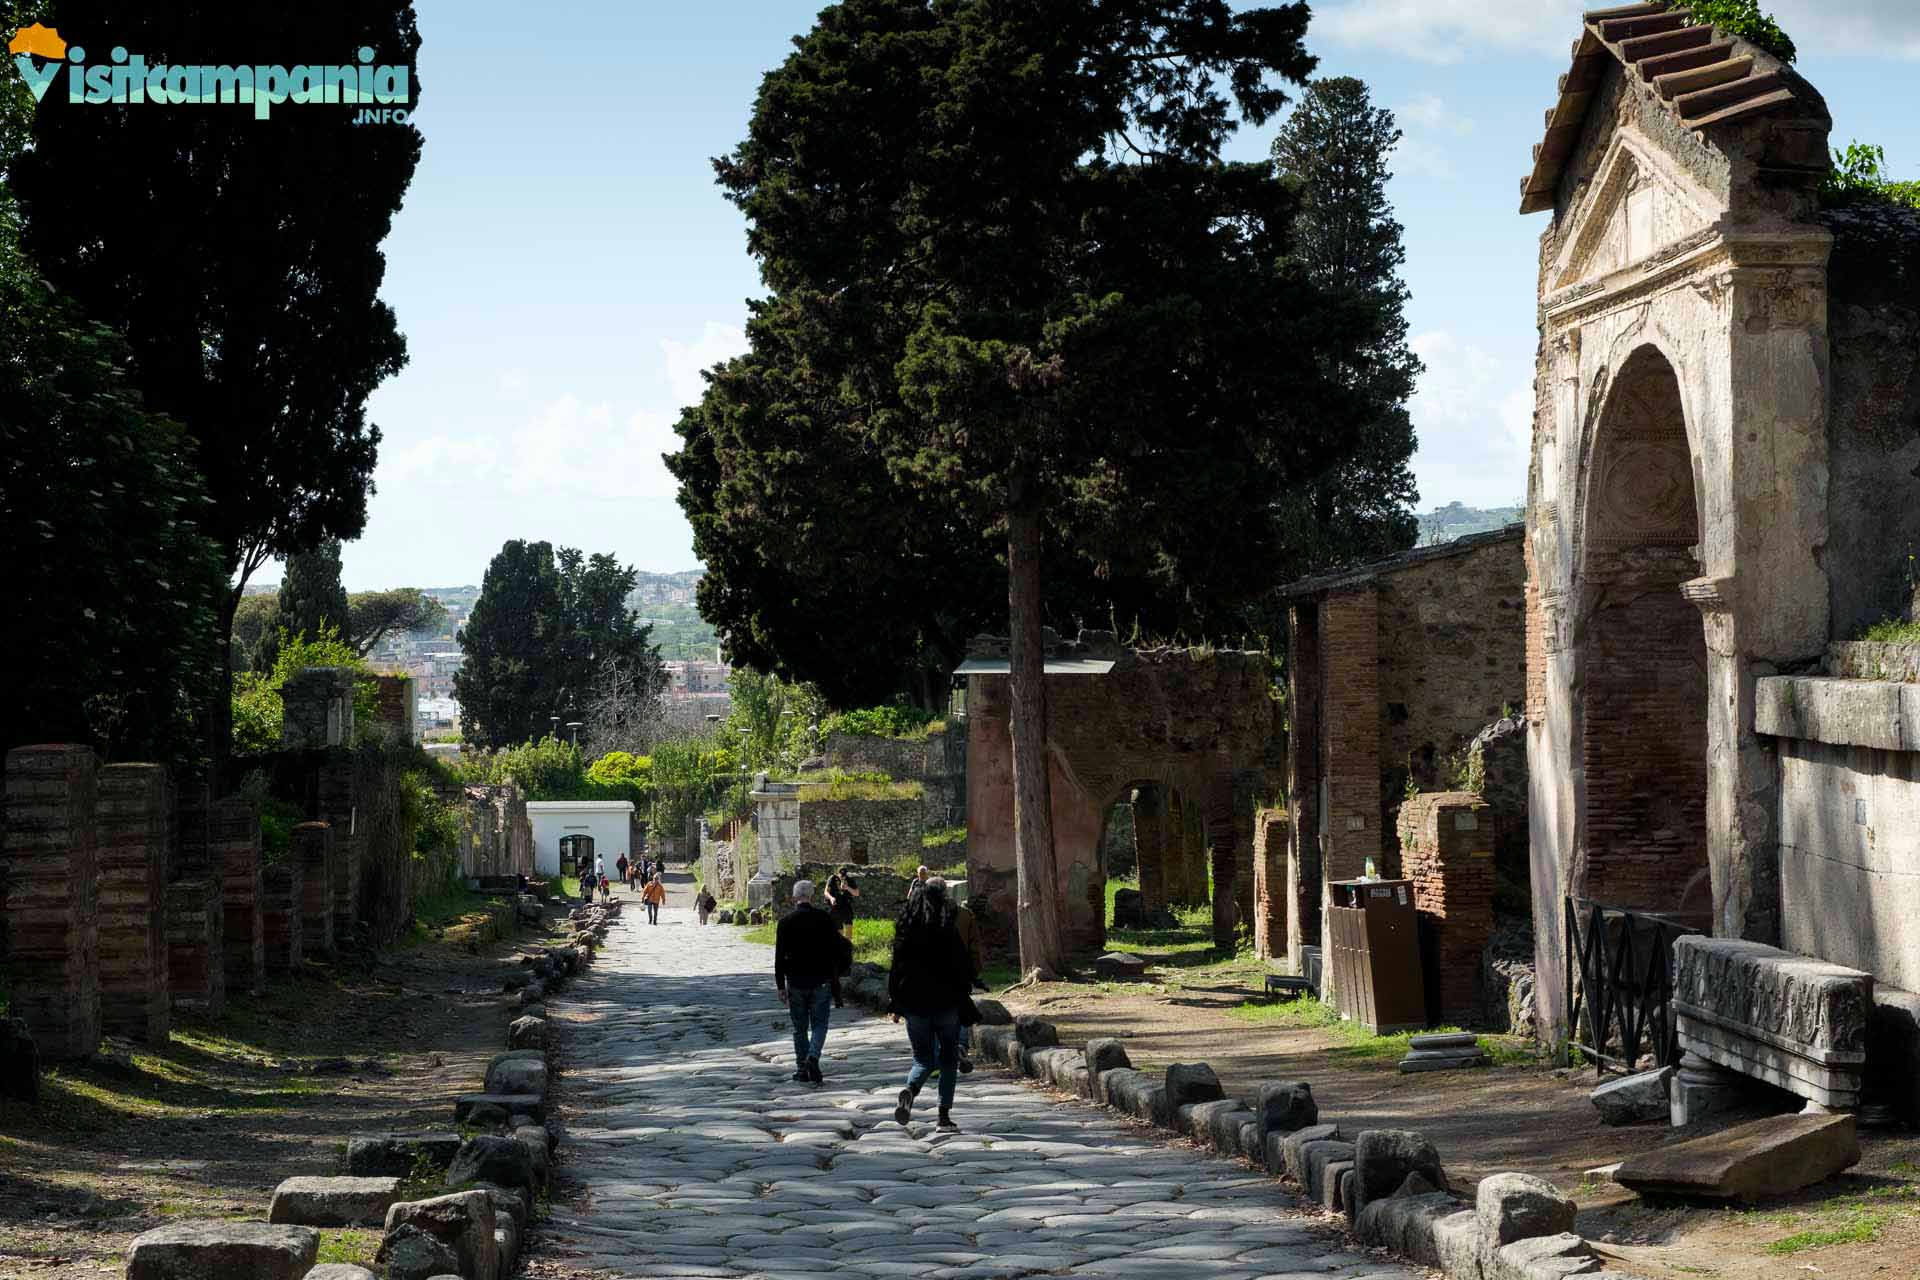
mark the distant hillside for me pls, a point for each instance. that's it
(1457, 521)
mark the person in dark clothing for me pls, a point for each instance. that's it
(928, 987)
(806, 972)
(842, 889)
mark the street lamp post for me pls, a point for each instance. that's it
(575, 726)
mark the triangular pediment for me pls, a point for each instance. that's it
(1638, 204)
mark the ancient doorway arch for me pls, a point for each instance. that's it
(1643, 693)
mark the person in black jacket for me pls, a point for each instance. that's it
(928, 987)
(806, 972)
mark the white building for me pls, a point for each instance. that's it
(603, 826)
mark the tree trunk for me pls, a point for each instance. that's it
(1033, 860)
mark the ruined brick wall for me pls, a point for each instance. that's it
(282, 927)
(882, 893)
(338, 805)
(196, 931)
(135, 824)
(866, 832)
(1452, 660)
(318, 705)
(1350, 727)
(1873, 495)
(396, 709)
(51, 847)
(313, 853)
(937, 761)
(1304, 871)
(1446, 842)
(234, 843)
(1270, 832)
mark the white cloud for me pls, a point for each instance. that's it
(687, 360)
(1431, 131)
(1429, 113)
(1473, 411)
(1449, 31)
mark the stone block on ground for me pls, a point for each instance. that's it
(1336, 1184)
(1406, 1224)
(1518, 1206)
(1769, 1157)
(502, 1161)
(1383, 1158)
(1444, 1053)
(506, 1245)
(514, 1104)
(334, 1202)
(397, 1155)
(1150, 1103)
(463, 1222)
(1106, 1054)
(527, 1033)
(1457, 1244)
(1188, 1082)
(992, 1013)
(1121, 1086)
(223, 1251)
(1285, 1106)
(1291, 1162)
(1035, 1033)
(1119, 964)
(1314, 1159)
(1195, 1119)
(340, 1271)
(1542, 1258)
(410, 1253)
(1633, 1098)
(518, 1076)
(1223, 1129)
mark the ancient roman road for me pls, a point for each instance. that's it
(700, 1157)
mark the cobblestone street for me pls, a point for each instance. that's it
(701, 1157)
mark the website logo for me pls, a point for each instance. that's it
(128, 79)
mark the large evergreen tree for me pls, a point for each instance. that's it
(240, 257)
(543, 636)
(312, 599)
(1336, 145)
(1008, 262)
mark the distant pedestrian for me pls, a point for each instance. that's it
(806, 973)
(654, 895)
(842, 889)
(621, 867)
(606, 889)
(704, 903)
(928, 987)
(918, 884)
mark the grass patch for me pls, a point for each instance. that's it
(906, 866)
(1306, 1012)
(837, 784)
(351, 1246)
(1859, 1228)
(872, 940)
(1892, 631)
(942, 837)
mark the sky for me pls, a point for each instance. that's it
(564, 266)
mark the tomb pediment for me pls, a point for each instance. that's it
(1636, 208)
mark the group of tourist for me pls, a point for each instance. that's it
(935, 969)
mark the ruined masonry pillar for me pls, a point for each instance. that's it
(1446, 849)
(51, 895)
(135, 825)
(338, 805)
(233, 832)
(1150, 845)
(313, 854)
(196, 927)
(281, 925)
(1270, 891)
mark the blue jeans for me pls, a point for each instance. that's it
(811, 1007)
(936, 1043)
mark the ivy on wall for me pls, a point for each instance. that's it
(1744, 19)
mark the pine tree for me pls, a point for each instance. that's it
(312, 599)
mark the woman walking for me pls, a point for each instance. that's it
(705, 903)
(928, 987)
(654, 895)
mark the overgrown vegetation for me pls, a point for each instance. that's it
(1859, 175)
(895, 721)
(259, 713)
(1892, 631)
(944, 837)
(840, 784)
(1743, 18)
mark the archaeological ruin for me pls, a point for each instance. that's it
(1723, 486)
(1189, 739)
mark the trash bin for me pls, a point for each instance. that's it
(1374, 954)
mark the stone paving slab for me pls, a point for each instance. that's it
(702, 1158)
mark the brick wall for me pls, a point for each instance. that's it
(1304, 871)
(1644, 732)
(313, 853)
(135, 826)
(1446, 842)
(395, 708)
(869, 832)
(339, 807)
(1270, 832)
(234, 842)
(52, 855)
(1350, 720)
(281, 916)
(196, 929)
(882, 892)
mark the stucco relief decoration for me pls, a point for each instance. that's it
(1642, 491)
(1635, 210)
(1783, 302)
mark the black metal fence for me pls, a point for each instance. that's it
(1619, 984)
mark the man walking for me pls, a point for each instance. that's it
(806, 972)
(655, 896)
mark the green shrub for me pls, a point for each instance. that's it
(259, 713)
(895, 721)
(1859, 175)
(1744, 19)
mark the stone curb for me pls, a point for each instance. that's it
(1515, 1231)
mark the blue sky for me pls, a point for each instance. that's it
(564, 265)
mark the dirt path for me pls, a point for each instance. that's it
(211, 1123)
